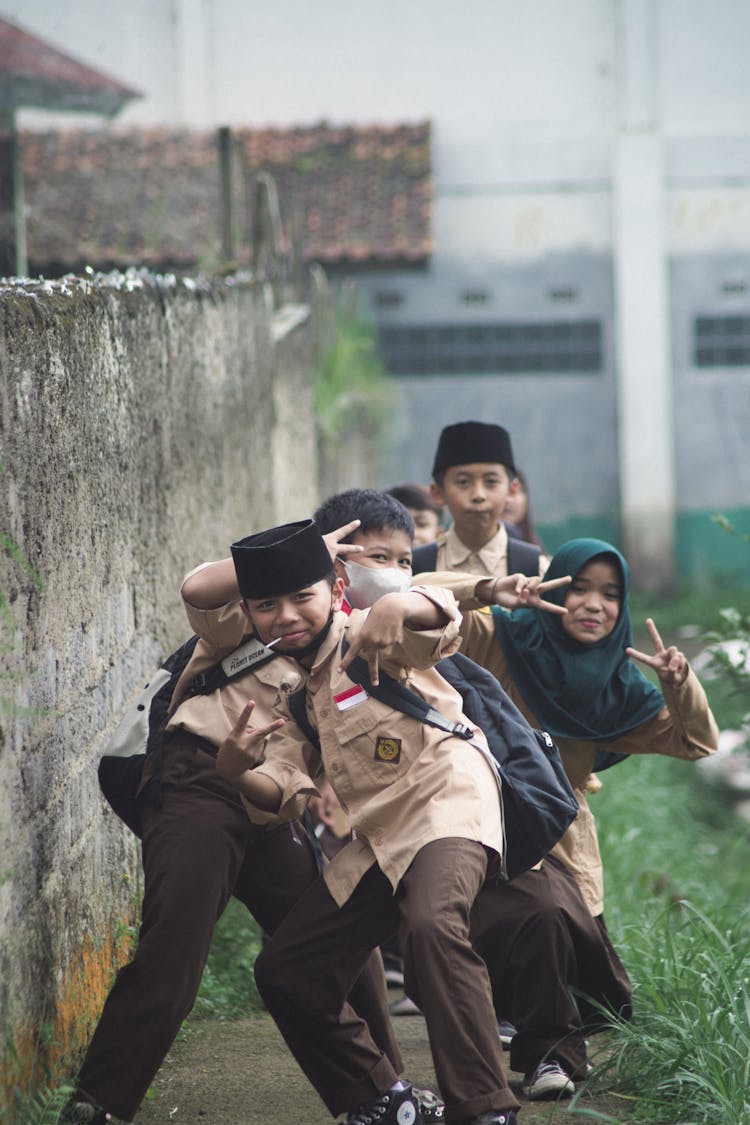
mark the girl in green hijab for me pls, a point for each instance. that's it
(575, 674)
(574, 671)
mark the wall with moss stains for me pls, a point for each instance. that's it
(144, 423)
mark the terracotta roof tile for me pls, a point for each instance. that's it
(150, 197)
(34, 73)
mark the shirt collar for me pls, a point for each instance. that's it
(492, 555)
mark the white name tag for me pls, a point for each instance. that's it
(244, 657)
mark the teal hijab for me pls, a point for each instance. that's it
(593, 692)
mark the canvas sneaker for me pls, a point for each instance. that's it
(84, 1113)
(396, 1107)
(433, 1110)
(506, 1031)
(394, 972)
(549, 1080)
(404, 1006)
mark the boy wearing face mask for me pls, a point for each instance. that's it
(535, 934)
(383, 566)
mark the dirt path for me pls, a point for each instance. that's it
(241, 1073)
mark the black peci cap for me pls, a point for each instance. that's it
(467, 443)
(283, 559)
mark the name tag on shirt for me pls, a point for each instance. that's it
(352, 697)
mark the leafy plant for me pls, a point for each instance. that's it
(228, 987)
(45, 1108)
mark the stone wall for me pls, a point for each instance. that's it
(144, 423)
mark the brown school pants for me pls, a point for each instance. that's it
(542, 947)
(305, 972)
(198, 849)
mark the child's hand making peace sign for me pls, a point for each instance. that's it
(670, 664)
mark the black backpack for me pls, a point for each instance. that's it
(523, 557)
(140, 732)
(539, 804)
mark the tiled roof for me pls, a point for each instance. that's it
(350, 194)
(35, 74)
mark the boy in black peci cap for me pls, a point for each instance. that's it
(473, 475)
(428, 826)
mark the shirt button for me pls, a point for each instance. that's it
(324, 713)
(335, 767)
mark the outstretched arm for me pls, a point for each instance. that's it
(516, 591)
(385, 625)
(670, 664)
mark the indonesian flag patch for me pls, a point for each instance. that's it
(352, 697)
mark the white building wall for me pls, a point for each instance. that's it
(561, 130)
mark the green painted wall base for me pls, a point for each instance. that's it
(705, 552)
(580, 527)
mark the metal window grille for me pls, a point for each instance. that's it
(721, 341)
(554, 347)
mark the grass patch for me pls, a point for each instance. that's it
(676, 862)
(228, 989)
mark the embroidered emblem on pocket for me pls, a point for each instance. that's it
(388, 750)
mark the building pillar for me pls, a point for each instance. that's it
(642, 317)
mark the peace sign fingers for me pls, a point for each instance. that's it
(655, 636)
(670, 664)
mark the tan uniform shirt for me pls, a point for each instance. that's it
(684, 728)
(491, 561)
(212, 716)
(402, 783)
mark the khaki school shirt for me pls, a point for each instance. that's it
(684, 728)
(491, 561)
(212, 716)
(401, 783)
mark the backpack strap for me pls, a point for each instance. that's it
(296, 701)
(523, 557)
(424, 558)
(251, 654)
(395, 694)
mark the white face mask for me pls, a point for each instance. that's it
(368, 583)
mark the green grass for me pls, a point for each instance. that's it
(228, 989)
(676, 860)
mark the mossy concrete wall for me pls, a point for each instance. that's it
(144, 423)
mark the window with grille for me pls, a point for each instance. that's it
(721, 341)
(553, 347)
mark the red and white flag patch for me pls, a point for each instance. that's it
(352, 697)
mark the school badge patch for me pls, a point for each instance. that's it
(388, 750)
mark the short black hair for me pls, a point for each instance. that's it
(415, 496)
(375, 511)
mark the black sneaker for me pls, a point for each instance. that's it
(548, 1080)
(396, 1107)
(84, 1113)
(431, 1107)
(394, 971)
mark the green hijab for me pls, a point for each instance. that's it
(588, 691)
